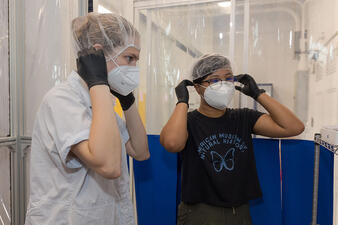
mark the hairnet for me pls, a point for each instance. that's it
(113, 32)
(207, 64)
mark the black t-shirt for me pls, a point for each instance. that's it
(218, 164)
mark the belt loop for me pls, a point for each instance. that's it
(233, 210)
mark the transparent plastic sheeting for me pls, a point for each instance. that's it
(172, 39)
(268, 43)
(49, 55)
(5, 193)
(322, 55)
(4, 70)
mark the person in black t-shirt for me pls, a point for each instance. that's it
(218, 166)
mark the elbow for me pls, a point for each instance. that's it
(110, 172)
(147, 156)
(143, 157)
(107, 163)
(174, 141)
(297, 129)
(300, 128)
(172, 146)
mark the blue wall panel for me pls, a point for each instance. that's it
(325, 189)
(297, 169)
(297, 164)
(268, 209)
(156, 184)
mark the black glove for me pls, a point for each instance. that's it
(125, 101)
(182, 91)
(250, 87)
(92, 67)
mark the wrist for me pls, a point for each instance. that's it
(97, 83)
(261, 91)
(184, 103)
(99, 88)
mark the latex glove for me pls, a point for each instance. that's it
(250, 86)
(92, 67)
(182, 91)
(125, 101)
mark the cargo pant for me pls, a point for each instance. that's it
(203, 214)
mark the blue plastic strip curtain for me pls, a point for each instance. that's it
(267, 210)
(297, 166)
(156, 184)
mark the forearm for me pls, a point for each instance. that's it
(137, 133)
(174, 134)
(280, 114)
(104, 140)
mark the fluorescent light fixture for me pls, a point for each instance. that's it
(224, 4)
(102, 9)
(220, 36)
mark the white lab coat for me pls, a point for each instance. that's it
(63, 191)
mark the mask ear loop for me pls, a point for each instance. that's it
(202, 86)
(204, 92)
(119, 53)
(113, 60)
(205, 88)
(112, 45)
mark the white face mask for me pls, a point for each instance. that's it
(220, 94)
(124, 79)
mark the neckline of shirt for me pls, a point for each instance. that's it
(202, 116)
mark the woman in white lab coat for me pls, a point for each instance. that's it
(79, 171)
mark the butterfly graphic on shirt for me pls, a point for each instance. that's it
(223, 162)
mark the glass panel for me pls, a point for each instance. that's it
(5, 186)
(172, 39)
(4, 70)
(49, 55)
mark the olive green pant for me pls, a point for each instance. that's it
(203, 214)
